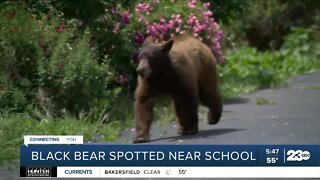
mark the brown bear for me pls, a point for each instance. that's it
(183, 68)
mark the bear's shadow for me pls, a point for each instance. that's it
(236, 100)
(201, 134)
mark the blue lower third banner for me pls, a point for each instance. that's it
(87, 160)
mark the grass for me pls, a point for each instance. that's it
(94, 126)
(264, 101)
(14, 127)
(312, 88)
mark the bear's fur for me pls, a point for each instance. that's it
(183, 68)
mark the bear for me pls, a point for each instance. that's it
(183, 68)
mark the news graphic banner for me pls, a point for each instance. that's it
(43, 139)
(169, 161)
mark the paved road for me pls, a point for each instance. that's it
(290, 115)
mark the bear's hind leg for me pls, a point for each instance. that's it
(211, 98)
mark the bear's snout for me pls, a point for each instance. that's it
(143, 69)
(144, 72)
(139, 70)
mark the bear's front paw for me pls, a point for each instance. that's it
(141, 140)
(182, 131)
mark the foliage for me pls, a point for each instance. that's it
(248, 69)
(12, 99)
(44, 62)
(24, 124)
(18, 57)
(99, 17)
(226, 11)
(264, 101)
(52, 81)
(266, 23)
(71, 77)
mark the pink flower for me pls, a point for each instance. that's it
(170, 25)
(200, 23)
(143, 7)
(207, 4)
(125, 17)
(192, 4)
(59, 28)
(138, 39)
(141, 18)
(182, 32)
(208, 13)
(162, 20)
(116, 27)
(217, 45)
(122, 79)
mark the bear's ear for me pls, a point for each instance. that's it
(148, 40)
(167, 46)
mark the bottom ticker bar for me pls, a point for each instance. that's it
(188, 172)
(34, 171)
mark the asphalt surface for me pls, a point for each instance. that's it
(286, 115)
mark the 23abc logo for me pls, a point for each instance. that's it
(298, 155)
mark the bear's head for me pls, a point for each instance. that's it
(154, 58)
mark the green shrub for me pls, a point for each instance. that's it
(248, 69)
(12, 99)
(265, 23)
(18, 56)
(302, 51)
(45, 62)
(71, 77)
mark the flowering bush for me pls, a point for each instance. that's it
(164, 19)
(59, 63)
(46, 64)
